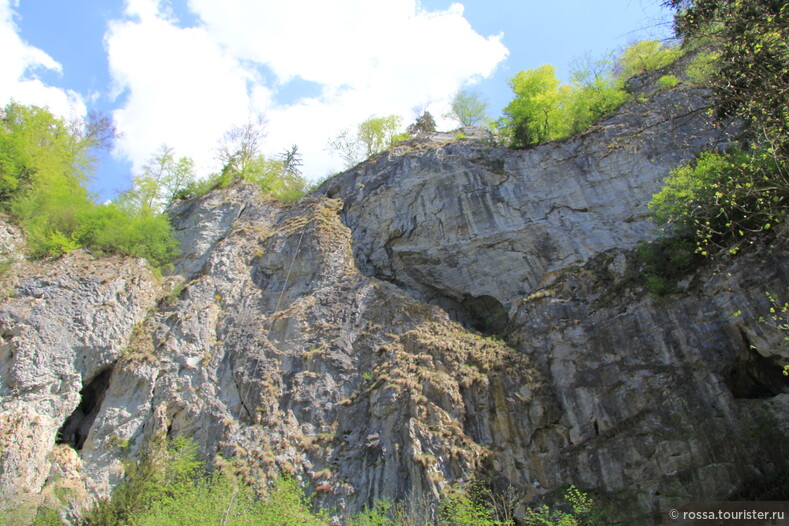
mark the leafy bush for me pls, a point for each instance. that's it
(377, 515)
(582, 512)
(666, 260)
(170, 487)
(667, 81)
(44, 166)
(460, 508)
(703, 66)
(750, 76)
(644, 56)
(372, 136)
(545, 110)
(723, 196)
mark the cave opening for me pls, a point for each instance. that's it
(75, 429)
(754, 376)
(484, 314)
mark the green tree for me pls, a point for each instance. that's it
(45, 163)
(582, 512)
(532, 116)
(372, 136)
(240, 146)
(378, 133)
(36, 147)
(643, 56)
(424, 125)
(596, 93)
(468, 108)
(163, 177)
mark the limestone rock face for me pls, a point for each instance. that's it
(454, 221)
(331, 338)
(63, 329)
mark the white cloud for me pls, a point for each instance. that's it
(180, 88)
(186, 86)
(21, 64)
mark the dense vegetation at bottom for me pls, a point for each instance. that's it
(170, 486)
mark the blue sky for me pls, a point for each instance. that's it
(181, 72)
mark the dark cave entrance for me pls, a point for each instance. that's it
(485, 314)
(77, 426)
(754, 376)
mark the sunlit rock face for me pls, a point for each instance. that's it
(447, 310)
(456, 220)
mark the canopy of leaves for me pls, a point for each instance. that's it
(372, 136)
(163, 178)
(239, 152)
(644, 56)
(722, 197)
(752, 77)
(545, 110)
(468, 108)
(45, 163)
(424, 125)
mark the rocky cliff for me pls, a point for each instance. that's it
(348, 338)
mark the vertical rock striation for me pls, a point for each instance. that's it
(323, 338)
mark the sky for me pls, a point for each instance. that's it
(183, 72)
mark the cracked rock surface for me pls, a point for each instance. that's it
(456, 220)
(321, 338)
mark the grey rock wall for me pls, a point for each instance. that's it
(311, 339)
(453, 221)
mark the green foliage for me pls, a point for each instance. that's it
(778, 318)
(44, 166)
(170, 487)
(722, 197)
(751, 76)
(239, 153)
(666, 260)
(220, 499)
(545, 110)
(378, 133)
(163, 177)
(166, 471)
(47, 517)
(461, 508)
(372, 136)
(424, 125)
(703, 66)
(533, 113)
(37, 148)
(644, 56)
(582, 512)
(667, 81)
(377, 515)
(468, 108)
(595, 94)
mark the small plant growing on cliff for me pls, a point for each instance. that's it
(579, 511)
(667, 81)
(461, 508)
(376, 515)
(724, 197)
